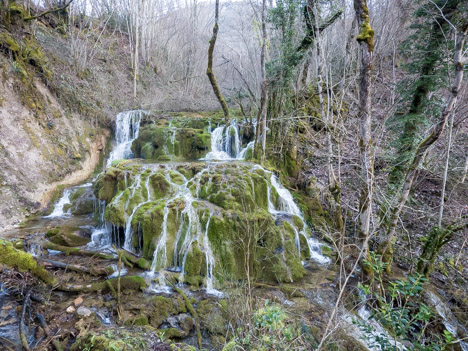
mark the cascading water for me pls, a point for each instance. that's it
(191, 229)
(127, 127)
(288, 206)
(128, 226)
(226, 143)
(60, 205)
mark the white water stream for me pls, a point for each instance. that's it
(127, 128)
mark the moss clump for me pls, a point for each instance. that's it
(367, 33)
(113, 339)
(212, 316)
(161, 308)
(194, 262)
(23, 262)
(170, 333)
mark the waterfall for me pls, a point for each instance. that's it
(128, 225)
(226, 143)
(61, 203)
(288, 206)
(127, 127)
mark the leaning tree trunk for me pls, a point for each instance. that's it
(366, 41)
(386, 248)
(209, 69)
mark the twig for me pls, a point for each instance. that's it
(56, 344)
(24, 340)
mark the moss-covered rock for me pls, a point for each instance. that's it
(212, 316)
(67, 236)
(162, 307)
(23, 261)
(165, 143)
(211, 221)
(82, 201)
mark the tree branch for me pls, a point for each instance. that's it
(56, 9)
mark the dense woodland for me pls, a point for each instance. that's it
(260, 175)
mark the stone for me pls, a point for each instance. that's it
(84, 312)
(71, 309)
(78, 301)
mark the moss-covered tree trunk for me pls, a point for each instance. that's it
(209, 69)
(423, 147)
(425, 83)
(366, 41)
(435, 240)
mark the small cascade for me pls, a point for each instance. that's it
(128, 225)
(226, 143)
(127, 127)
(60, 205)
(288, 206)
(160, 253)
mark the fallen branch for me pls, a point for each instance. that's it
(44, 326)
(56, 9)
(77, 251)
(77, 268)
(3, 342)
(22, 334)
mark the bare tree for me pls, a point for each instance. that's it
(209, 69)
(366, 41)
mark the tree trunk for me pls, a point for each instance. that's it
(135, 56)
(366, 41)
(387, 245)
(327, 116)
(209, 69)
(424, 85)
(263, 95)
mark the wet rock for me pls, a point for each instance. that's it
(68, 236)
(82, 201)
(84, 312)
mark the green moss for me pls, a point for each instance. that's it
(161, 308)
(170, 333)
(65, 236)
(23, 262)
(129, 283)
(194, 262)
(212, 317)
(366, 34)
(141, 321)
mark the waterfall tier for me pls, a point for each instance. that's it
(204, 220)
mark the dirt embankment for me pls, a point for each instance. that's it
(39, 152)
